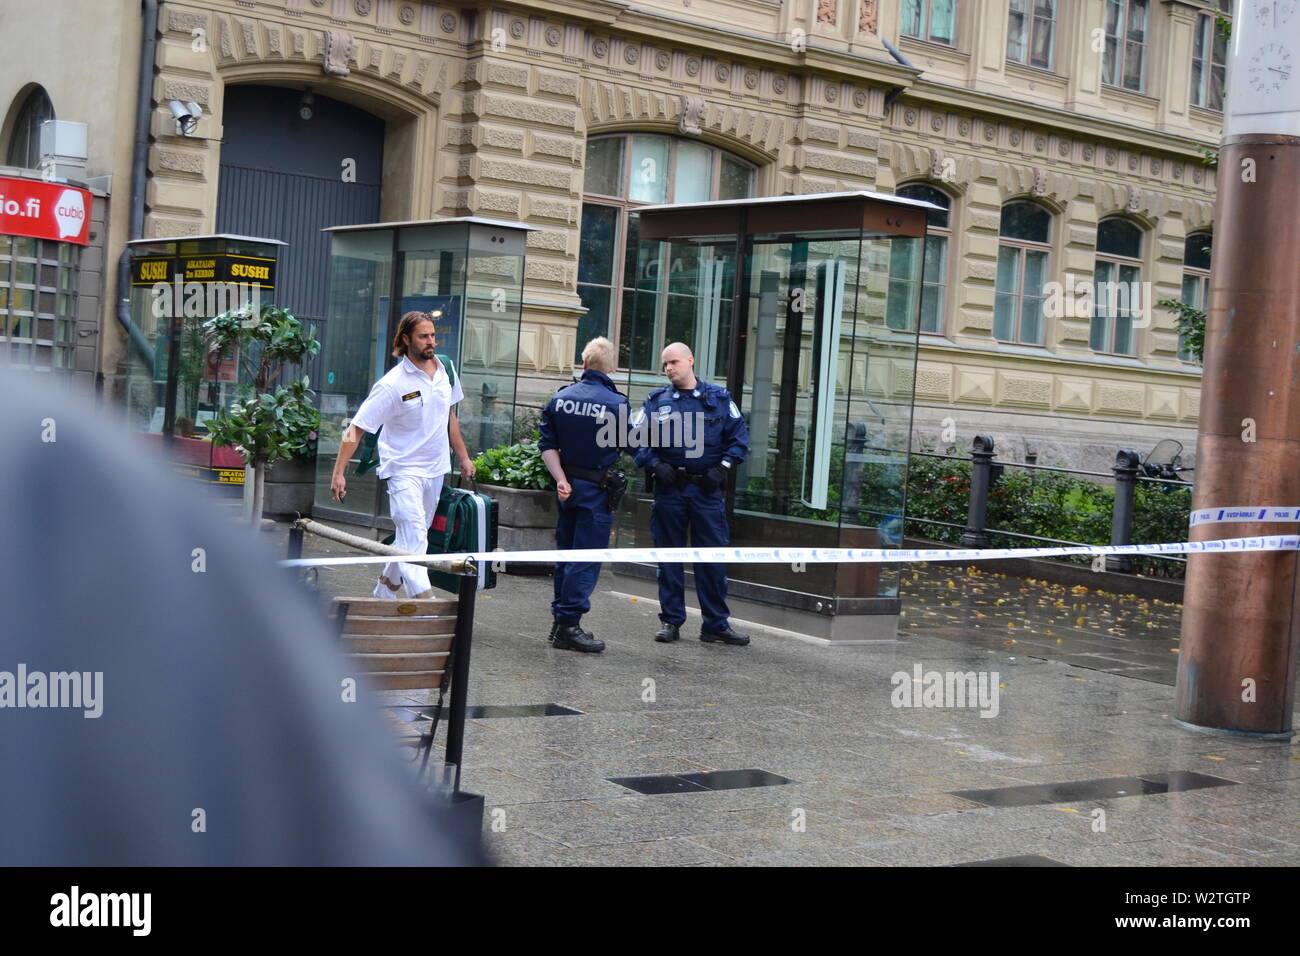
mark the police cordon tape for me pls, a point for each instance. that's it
(814, 555)
(1243, 513)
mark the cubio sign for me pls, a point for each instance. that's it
(44, 210)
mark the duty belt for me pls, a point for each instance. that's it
(586, 474)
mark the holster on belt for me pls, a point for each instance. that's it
(612, 481)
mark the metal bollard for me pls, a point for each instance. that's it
(295, 542)
(1127, 464)
(981, 474)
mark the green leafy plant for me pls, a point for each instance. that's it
(513, 466)
(262, 425)
(1191, 326)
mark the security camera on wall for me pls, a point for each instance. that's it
(187, 116)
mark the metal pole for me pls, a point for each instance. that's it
(1241, 613)
(460, 671)
(1121, 516)
(981, 468)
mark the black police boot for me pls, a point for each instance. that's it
(571, 637)
(555, 626)
(727, 635)
(668, 633)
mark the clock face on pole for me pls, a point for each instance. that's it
(1274, 13)
(1263, 92)
(1270, 68)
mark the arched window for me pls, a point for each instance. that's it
(1026, 235)
(1116, 283)
(907, 268)
(623, 172)
(1196, 281)
(25, 140)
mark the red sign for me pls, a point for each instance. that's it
(44, 210)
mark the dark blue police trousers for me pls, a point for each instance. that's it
(584, 522)
(705, 515)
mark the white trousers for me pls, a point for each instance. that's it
(412, 502)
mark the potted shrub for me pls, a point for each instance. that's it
(266, 425)
(525, 498)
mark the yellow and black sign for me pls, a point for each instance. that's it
(206, 268)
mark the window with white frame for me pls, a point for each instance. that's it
(1031, 32)
(1024, 246)
(1124, 60)
(622, 172)
(1196, 282)
(933, 20)
(1117, 278)
(910, 267)
(1210, 59)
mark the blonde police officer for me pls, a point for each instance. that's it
(412, 403)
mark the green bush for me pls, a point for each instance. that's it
(513, 466)
(1044, 504)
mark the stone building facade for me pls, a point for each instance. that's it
(488, 110)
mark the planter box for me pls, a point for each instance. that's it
(290, 487)
(525, 522)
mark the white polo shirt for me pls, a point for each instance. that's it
(412, 409)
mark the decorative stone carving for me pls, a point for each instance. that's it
(318, 3)
(723, 73)
(1178, 171)
(751, 80)
(406, 14)
(909, 117)
(990, 131)
(832, 92)
(779, 84)
(692, 115)
(632, 54)
(1133, 162)
(692, 66)
(340, 48)
(1014, 137)
(936, 122)
(362, 7)
(826, 11)
(1134, 200)
(860, 98)
(553, 36)
(1040, 143)
(1111, 156)
(1155, 167)
(936, 163)
(600, 46)
(1198, 175)
(448, 23)
(867, 17)
(1088, 153)
(1064, 147)
(1040, 181)
(517, 29)
(963, 127)
(663, 61)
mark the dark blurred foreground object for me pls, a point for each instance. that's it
(224, 736)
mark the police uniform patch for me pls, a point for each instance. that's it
(735, 412)
(410, 395)
(664, 411)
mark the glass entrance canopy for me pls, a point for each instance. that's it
(806, 308)
(468, 274)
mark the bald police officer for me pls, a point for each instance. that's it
(577, 450)
(707, 437)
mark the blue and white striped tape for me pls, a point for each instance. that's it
(1243, 513)
(816, 555)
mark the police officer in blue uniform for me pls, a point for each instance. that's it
(580, 444)
(701, 437)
